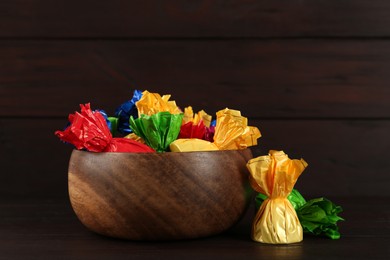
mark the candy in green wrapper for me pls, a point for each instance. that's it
(113, 125)
(317, 216)
(296, 199)
(158, 130)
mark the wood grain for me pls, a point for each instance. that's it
(162, 196)
(263, 79)
(177, 18)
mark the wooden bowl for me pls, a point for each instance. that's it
(159, 196)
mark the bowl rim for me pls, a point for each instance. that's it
(164, 153)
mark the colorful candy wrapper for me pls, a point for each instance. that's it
(189, 130)
(113, 125)
(295, 198)
(152, 103)
(232, 131)
(189, 116)
(275, 175)
(209, 135)
(135, 137)
(318, 216)
(125, 145)
(125, 110)
(104, 114)
(158, 130)
(188, 145)
(196, 126)
(89, 130)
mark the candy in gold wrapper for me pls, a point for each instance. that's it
(135, 137)
(232, 131)
(193, 144)
(152, 103)
(275, 175)
(189, 116)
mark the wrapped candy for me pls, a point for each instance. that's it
(209, 135)
(125, 110)
(189, 116)
(318, 217)
(152, 103)
(231, 133)
(158, 130)
(295, 198)
(181, 145)
(104, 114)
(190, 130)
(195, 126)
(135, 138)
(275, 175)
(113, 125)
(89, 130)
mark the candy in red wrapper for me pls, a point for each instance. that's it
(127, 145)
(88, 130)
(189, 130)
(209, 135)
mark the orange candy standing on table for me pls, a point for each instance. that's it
(275, 175)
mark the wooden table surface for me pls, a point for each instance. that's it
(48, 229)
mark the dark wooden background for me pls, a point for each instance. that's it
(313, 75)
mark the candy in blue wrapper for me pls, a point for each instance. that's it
(104, 114)
(124, 111)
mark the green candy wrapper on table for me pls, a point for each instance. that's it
(158, 130)
(317, 216)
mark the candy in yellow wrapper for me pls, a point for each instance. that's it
(193, 144)
(135, 137)
(275, 175)
(195, 119)
(152, 103)
(232, 131)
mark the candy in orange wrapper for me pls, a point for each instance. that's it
(189, 116)
(89, 130)
(152, 103)
(275, 175)
(194, 144)
(232, 131)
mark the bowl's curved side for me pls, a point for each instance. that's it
(159, 196)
